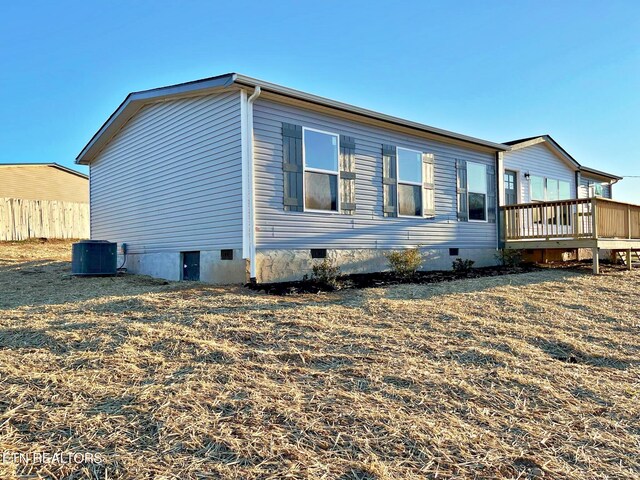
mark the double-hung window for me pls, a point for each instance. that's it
(410, 182)
(320, 154)
(477, 191)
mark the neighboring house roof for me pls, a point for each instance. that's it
(136, 100)
(53, 165)
(561, 152)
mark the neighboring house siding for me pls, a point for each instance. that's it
(367, 228)
(583, 189)
(42, 182)
(538, 160)
(171, 179)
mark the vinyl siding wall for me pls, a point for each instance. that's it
(367, 228)
(583, 189)
(171, 179)
(538, 160)
(42, 182)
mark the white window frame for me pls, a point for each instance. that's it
(545, 184)
(306, 169)
(485, 193)
(398, 182)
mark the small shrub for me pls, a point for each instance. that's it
(405, 263)
(326, 274)
(509, 258)
(462, 266)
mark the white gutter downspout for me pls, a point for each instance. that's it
(250, 185)
(245, 174)
(499, 198)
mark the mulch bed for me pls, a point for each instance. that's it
(382, 279)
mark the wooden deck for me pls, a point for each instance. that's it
(596, 223)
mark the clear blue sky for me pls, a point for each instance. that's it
(497, 70)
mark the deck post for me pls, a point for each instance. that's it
(629, 264)
(594, 219)
(596, 260)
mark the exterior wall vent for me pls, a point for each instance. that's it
(318, 253)
(454, 252)
(226, 254)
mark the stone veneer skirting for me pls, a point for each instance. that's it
(288, 265)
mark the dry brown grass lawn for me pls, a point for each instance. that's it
(523, 376)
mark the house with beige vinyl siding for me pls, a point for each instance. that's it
(43, 181)
(42, 200)
(232, 178)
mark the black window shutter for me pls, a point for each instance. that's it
(292, 167)
(463, 208)
(491, 194)
(347, 175)
(389, 181)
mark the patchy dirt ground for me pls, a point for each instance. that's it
(522, 376)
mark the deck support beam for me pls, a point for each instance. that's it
(629, 264)
(596, 260)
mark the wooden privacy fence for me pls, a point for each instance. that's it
(21, 219)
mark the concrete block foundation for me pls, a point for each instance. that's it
(214, 270)
(165, 265)
(168, 265)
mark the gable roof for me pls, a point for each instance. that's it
(41, 164)
(551, 143)
(561, 152)
(134, 101)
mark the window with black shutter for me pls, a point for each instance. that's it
(408, 182)
(476, 191)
